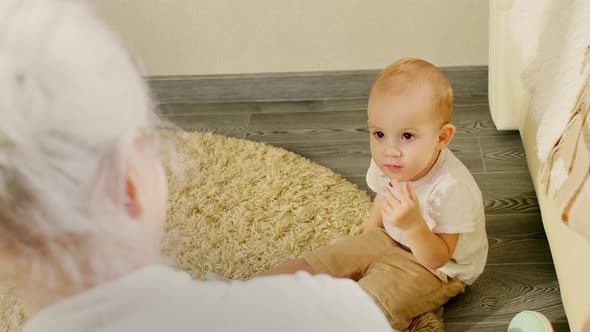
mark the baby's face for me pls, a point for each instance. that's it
(404, 133)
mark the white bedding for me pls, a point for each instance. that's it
(540, 48)
(517, 30)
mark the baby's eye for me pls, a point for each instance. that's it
(379, 134)
(407, 136)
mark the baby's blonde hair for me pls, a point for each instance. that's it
(72, 104)
(410, 73)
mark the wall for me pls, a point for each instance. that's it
(197, 37)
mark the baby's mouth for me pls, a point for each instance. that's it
(393, 168)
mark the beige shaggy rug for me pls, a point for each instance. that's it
(242, 207)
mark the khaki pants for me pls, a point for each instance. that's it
(397, 282)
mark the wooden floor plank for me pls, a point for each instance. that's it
(232, 126)
(505, 290)
(503, 153)
(308, 126)
(472, 110)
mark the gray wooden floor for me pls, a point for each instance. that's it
(519, 274)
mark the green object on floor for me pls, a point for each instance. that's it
(530, 321)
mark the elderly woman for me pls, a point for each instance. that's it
(83, 198)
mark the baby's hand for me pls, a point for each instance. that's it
(402, 211)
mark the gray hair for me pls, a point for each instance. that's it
(71, 104)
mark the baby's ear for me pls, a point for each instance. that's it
(447, 131)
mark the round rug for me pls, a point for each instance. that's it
(240, 207)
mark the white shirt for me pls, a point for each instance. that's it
(450, 202)
(159, 298)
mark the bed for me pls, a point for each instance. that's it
(538, 84)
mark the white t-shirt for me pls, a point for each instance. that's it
(159, 298)
(450, 202)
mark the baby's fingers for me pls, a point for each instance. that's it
(388, 197)
(386, 209)
(411, 192)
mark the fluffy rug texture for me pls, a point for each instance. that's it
(241, 207)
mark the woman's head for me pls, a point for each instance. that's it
(82, 192)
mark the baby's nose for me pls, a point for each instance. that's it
(393, 152)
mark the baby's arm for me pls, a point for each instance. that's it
(375, 219)
(432, 250)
